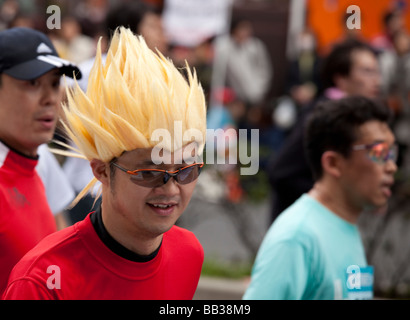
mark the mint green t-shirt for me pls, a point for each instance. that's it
(310, 253)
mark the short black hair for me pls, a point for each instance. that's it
(390, 15)
(128, 14)
(236, 22)
(339, 60)
(333, 125)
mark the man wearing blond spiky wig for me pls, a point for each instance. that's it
(142, 126)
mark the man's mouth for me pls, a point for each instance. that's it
(386, 188)
(47, 121)
(164, 208)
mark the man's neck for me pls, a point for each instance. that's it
(335, 202)
(28, 153)
(136, 243)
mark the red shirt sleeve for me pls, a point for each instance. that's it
(26, 289)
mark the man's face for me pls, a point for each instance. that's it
(144, 211)
(152, 30)
(243, 32)
(364, 78)
(367, 183)
(29, 111)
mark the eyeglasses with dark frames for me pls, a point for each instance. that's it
(379, 152)
(153, 178)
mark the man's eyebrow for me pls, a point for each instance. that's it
(377, 141)
(190, 160)
(146, 162)
(150, 162)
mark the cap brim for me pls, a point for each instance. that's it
(42, 64)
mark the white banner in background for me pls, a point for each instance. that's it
(189, 22)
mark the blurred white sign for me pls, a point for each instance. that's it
(189, 22)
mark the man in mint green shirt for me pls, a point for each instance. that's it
(314, 249)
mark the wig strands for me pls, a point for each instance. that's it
(136, 92)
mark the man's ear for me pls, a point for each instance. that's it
(331, 163)
(100, 170)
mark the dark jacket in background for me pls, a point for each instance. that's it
(289, 172)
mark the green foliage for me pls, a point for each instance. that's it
(214, 268)
(256, 187)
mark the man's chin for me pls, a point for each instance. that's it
(379, 210)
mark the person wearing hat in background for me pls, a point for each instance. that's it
(141, 125)
(30, 72)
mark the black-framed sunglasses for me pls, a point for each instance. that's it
(153, 178)
(379, 152)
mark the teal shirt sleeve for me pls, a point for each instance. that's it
(280, 272)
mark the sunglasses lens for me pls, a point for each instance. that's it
(382, 152)
(187, 175)
(148, 178)
(378, 152)
(152, 178)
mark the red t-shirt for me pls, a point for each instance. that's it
(25, 217)
(75, 264)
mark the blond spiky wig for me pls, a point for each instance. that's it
(135, 93)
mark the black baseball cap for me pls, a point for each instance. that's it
(27, 54)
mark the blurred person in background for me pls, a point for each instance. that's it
(22, 20)
(59, 191)
(91, 14)
(9, 9)
(71, 43)
(200, 57)
(395, 69)
(30, 71)
(224, 117)
(303, 83)
(351, 68)
(393, 22)
(142, 19)
(314, 250)
(242, 62)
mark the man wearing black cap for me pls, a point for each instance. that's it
(30, 71)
